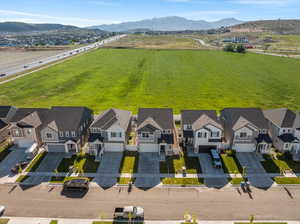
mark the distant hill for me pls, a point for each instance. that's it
(26, 27)
(275, 26)
(173, 23)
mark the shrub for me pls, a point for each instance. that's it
(229, 48)
(240, 48)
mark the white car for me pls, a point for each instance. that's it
(2, 209)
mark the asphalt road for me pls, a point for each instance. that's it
(64, 55)
(159, 203)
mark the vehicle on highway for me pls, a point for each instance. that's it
(19, 165)
(25, 66)
(216, 158)
(129, 212)
(2, 210)
(40, 62)
(76, 184)
(2, 75)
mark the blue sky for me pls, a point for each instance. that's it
(95, 12)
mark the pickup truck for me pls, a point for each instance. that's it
(129, 212)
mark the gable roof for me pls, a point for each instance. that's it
(237, 117)
(200, 118)
(163, 117)
(22, 113)
(4, 110)
(282, 117)
(113, 116)
(66, 118)
(297, 121)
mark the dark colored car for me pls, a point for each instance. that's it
(78, 184)
(2, 75)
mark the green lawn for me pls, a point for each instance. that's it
(129, 162)
(54, 222)
(133, 78)
(231, 164)
(174, 164)
(287, 180)
(125, 180)
(34, 164)
(182, 181)
(4, 150)
(60, 180)
(236, 180)
(283, 162)
(85, 162)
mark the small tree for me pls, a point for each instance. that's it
(229, 48)
(240, 48)
(251, 219)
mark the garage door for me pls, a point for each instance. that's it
(24, 143)
(244, 147)
(56, 148)
(148, 148)
(113, 147)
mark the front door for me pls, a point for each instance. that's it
(71, 147)
(162, 149)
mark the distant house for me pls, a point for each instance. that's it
(156, 130)
(6, 113)
(201, 129)
(285, 129)
(246, 129)
(66, 128)
(26, 125)
(109, 132)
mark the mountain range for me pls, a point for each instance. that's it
(173, 23)
(27, 27)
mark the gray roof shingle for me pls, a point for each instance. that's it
(4, 110)
(282, 117)
(113, 116)
(161, 116)
(253, 115)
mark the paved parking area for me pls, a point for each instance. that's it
(149, 167)
(110, 165)
(16, 155)
(208, 168)
(48, 164)
(253, 165)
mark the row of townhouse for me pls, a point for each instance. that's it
(67, 129)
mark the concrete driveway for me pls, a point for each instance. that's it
(257, 175)
(15, 156)
(49, 163)
(109, 169)
(148, 170)
(208, 169)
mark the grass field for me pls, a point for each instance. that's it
(156, 42)
(181, 79)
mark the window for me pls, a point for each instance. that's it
(73, 134)
(243, 134)
(116, 135)
(145, 135)
(202, 134)
(215, 134)
(29, 131)
(67, 133)
(283, 130)
(48, 135)
(188, 127)
(286, 146)
(17, 133)
(61, 134)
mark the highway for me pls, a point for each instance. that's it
(35, 64)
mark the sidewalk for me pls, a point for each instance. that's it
(21, 220)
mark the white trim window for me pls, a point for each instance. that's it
(67, 133)
(202, 134)
(145, 135)
(215, 134)
(17, 133)
(243, 135)
(61, 134)
(73, 133)
(49, 135)
(116, 134)
(188, 127)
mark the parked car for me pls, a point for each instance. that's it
(19, 165)
(125, 212)
(2, 210)
(25, 66)
(216, 158)
(78, 184)
(2, 75)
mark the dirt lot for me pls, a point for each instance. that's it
(15, 57)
